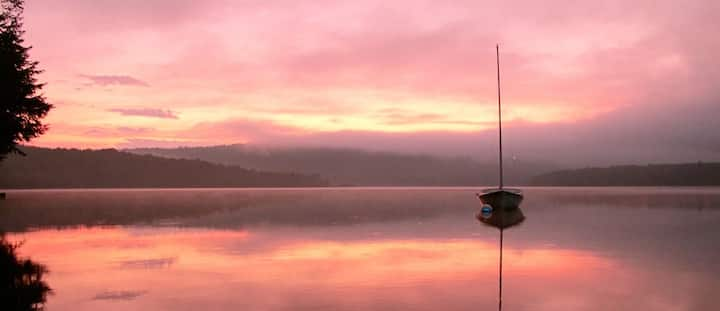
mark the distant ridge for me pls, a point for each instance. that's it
(358, 167)
(109, 168)
(686, 174)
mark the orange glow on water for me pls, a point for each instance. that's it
(208, 264)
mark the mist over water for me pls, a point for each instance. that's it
(369, 249)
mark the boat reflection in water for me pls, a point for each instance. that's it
(501, 209)
(500, 218)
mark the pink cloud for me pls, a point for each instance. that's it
(243, 130)
(107, 80)
(146, 112)
(407, 117)
(123, 131)
(678, 133)
(649, 66)
(157, 143)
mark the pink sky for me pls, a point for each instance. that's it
(167, 73)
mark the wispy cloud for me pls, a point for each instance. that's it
(99, 131)
(153, 263)
(404, 117)
(105, 80)
(146, 112)
(119, 295)
(161, 143)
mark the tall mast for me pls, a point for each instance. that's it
(497, 57)
(497, 54)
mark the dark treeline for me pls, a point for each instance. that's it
(358, 167)
(690, 174)
(72, 168)
(22, 286)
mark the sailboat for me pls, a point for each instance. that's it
(500, 198)
(501, 206)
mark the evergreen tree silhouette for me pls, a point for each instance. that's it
(22, 105)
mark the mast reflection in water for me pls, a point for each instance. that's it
(500, 218)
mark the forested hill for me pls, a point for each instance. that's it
(359, 167)
(690, 174)
(72, 168)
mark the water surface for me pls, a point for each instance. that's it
(369, 249)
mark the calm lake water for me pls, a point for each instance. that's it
(369, 249)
